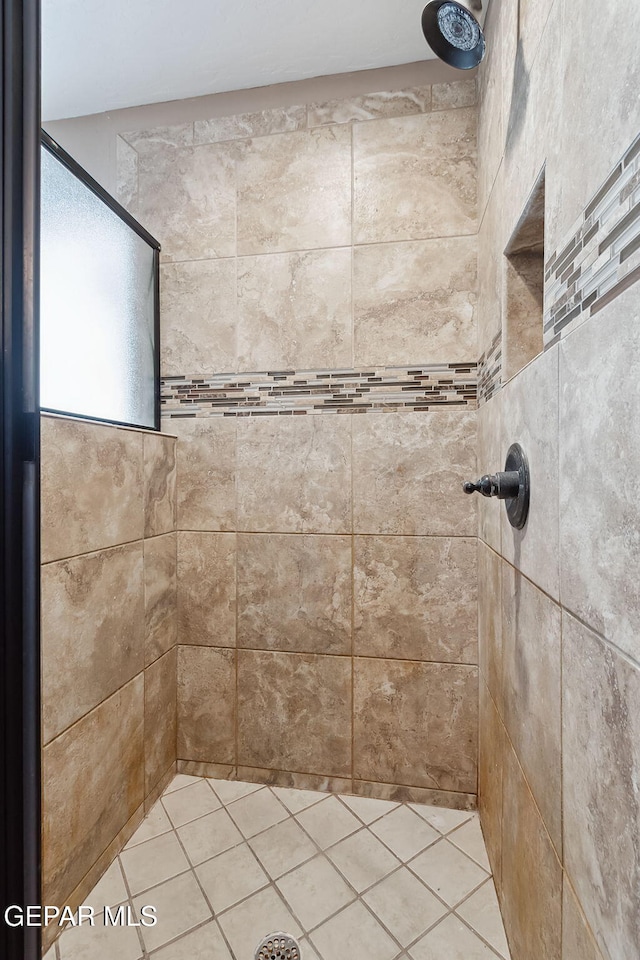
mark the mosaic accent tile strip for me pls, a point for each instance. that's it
(490, 370)
(293, 393)
(601, 256)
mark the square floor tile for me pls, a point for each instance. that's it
(448, 871)
(205, 943)
(355, 934)
(328, 821)
(179, 781)
(297, 800)
(368, 808)
(441, 818)
(482, 912)
(451, 940)
(469, 839)
(283, 847)
(207, 837)
(257, 812)
(315, 891)
(190, 803)
(179, 905)
(152, 862)
(405, 832)
(155, 823)
(110, 889)
(405, 906)
(231, 876)
(100, 943)
(362, 859)
(230, 790)
(245, 925)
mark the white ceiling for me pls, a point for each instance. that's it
(100, 55)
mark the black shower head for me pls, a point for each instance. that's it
(453, 33)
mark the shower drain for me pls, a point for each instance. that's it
(278, 946)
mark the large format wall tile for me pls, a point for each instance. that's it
(294, 474)
(198, 310)
(408, 471)
(91, 645)
(294, 593)
(601, 771)
(531, 873)
(294, 712)
(414, 302)
(160, 722)
(93, 783)
(531, 628)
(294, 192)
(416, 723)
(415, 177)
(243, 125)
(416, 598)
(207, 589)
(187, 199)
(92, 487)
(492, 76)
(206, 458)
(294, 311)
(206, 704)
(490, 568)
(490, 459)
(530, 418)
(372, 106)
(159, 484)
(577, 939)
(491, 751)
(160, 614)
(600, 459)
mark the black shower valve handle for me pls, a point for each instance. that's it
(504, 485)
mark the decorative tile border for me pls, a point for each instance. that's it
(490, 370)
(293, 393)
(601, 257)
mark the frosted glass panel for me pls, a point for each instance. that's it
(97, 304)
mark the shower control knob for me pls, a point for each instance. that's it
(511, 484)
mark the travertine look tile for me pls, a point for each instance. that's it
(531, 911)
(294, 474)
(187, 199)
(307, 699)
(86, 803)
(372, 106)
(160, 722)
(159, 484)
(174, 135)
(206, 704)
(207, 589)
(577, 939)
(315, 891)
(180, 906)
(315, 617)
(198, 309)
(160, 615)
(415, 177)
(451, 940)
(523, 309)
(490, 571)
(491, 243)
(492, 739)
(415, 795)
(293, 780)
(231, 877)
(416, 598)
(206, 473)
(92, 487)
(355, 933)
(490, 459)
(599, 454)
(451, 96)
(294, 311)
(530, 418)
(408, 471)
(294, 192)
(601, 768)
(82, 627)
(415, 302)
(369, 809)
(229, 790)
(531, 640)
(242, 125)
(416, 723)
(404, 905)
(127, 173)
(296, 800)
(482, 912)
(490, 100)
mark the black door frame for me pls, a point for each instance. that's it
(20, 742)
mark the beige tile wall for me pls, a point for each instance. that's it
(109, 632)
(326, 564)
(559, 602)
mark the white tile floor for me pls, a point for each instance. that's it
(226, 863)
